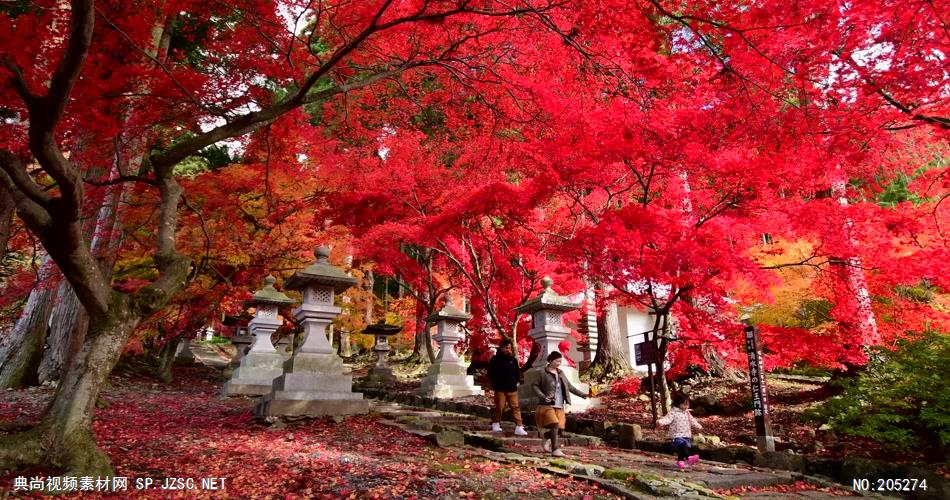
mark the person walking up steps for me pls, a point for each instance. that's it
(553, 390)
(504, 372)
(681, 423)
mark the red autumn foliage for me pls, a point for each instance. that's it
(627, 386)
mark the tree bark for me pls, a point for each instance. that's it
(857, 282)
(370, 302)
(345, 349)
(423, 338)
(64, 436)
(717, 366)
(166, 359)
(427, 341)
(662, 326)
(22, 349)
(610, 360)
(70, 321)
(68, 326)
(7, 207)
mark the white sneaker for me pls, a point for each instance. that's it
(546, 446)
(557, 453)
(519, 431)
(496, 427)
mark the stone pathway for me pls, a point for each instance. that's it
(210, 355)
(630, 473)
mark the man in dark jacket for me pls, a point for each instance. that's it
(504, 372)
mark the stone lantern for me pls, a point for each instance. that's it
(447, 377)
(381, 374)
(314, 381)
(262, 363)
(241, 341)
(547, 310)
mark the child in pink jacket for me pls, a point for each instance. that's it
(681, 423)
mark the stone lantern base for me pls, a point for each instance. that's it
(379, 377)
(528, 399)
(255, 375)
(312, 385)
(448, 380)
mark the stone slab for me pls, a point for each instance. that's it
(319, 382)
(282, 408)
(312, 396)
(447, 369)
(308, 362)
(256, 370)
(441, 391)
(459, 380)
(232, 388)
(263, 373)
(745, 478)
(448, 380)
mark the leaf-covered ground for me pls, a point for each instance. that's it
(788, 402)
(184, 430)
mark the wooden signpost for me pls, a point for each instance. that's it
(760, 400)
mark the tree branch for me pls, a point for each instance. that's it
(30, 202)
(19, 83)
(18, 181)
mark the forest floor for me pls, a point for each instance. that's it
(186, 430)
(734, 424)
(730, 417)
(182, 432)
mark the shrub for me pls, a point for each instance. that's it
(900, 399)
(806, 369)
(627, 386)
(214, 340)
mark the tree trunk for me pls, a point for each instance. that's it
(22, 349)
(166, 359)
(423, 338)
(857, 282)
(717, 366)
(7, 207)
(64, 437)
(611, 360)
(68, 327)
(662, 325)
(345, 350)
(662, 386)
(418, 347)
(427, 341)
(70, 321)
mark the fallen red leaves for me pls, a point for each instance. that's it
(185, 430)
(789, 401)
(784, 488)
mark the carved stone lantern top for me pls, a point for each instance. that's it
(322, 273)
(449, 313)
(548, 299)
(381, 329)
(268, 295)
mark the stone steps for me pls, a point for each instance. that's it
(637, 474)
(426, 423)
